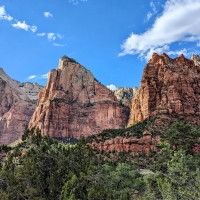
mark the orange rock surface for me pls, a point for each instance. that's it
(135, 145)
(168, 86)
(16, 109)
(74, 103)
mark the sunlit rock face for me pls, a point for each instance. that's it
(16, 109)
(196, 59)
(74, 103)
(168, 86)
(125, 95)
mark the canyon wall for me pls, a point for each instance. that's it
(168, 86)
(16, 109)
(74, 103)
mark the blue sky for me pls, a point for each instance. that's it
(114, 39)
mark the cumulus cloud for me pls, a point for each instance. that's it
(4, 15)
(23, 25)
(178, 22)
(47, 14)
(111, 87)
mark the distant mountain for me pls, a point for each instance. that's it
(16, 108)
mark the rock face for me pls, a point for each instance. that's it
(31, 89)
(135, 145)
(196, 59)
(73, 103)
(168, 86)
(125, 95)
(16, 110)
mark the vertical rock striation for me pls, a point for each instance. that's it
(168, 86)
(16, 109)
(73, 103)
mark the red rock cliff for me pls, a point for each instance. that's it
(16, 109)
(168, 86)
(73, 103)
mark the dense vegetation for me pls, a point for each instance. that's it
(42, 168)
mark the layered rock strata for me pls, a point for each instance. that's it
(134, 145)
(74, 103)
(168, 87)
(125, 95)
(16, 109)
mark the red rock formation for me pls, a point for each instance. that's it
(135, 145)
(168, 86)
(16, 110)
(73, 103)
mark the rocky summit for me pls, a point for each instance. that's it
(125, 95)
(74, 103)
(16, 109)
(168, 87)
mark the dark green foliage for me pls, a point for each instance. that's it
(41, 168)
(182, 136)
(135, 130)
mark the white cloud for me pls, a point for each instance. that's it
(178, 22)
(23, 25)
(153, 6)
(4, 15)
(51, 36)
(149, 15)
(41, 34)
(59, 36)
(33, 28)
(154, 11)
(59, 45)
(38, 77)
(31, 77)
(75, 2)
(47, 14)
(44, 76)
(111, 87)
(198, 44)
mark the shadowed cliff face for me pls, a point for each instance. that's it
(16, 109)
(73, 103)
(168, 86)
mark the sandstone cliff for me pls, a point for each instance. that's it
(16, 109)
(168, 86)
(125, 95)
(134, 145)
(73, 103)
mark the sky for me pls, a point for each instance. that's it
(114, 39)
